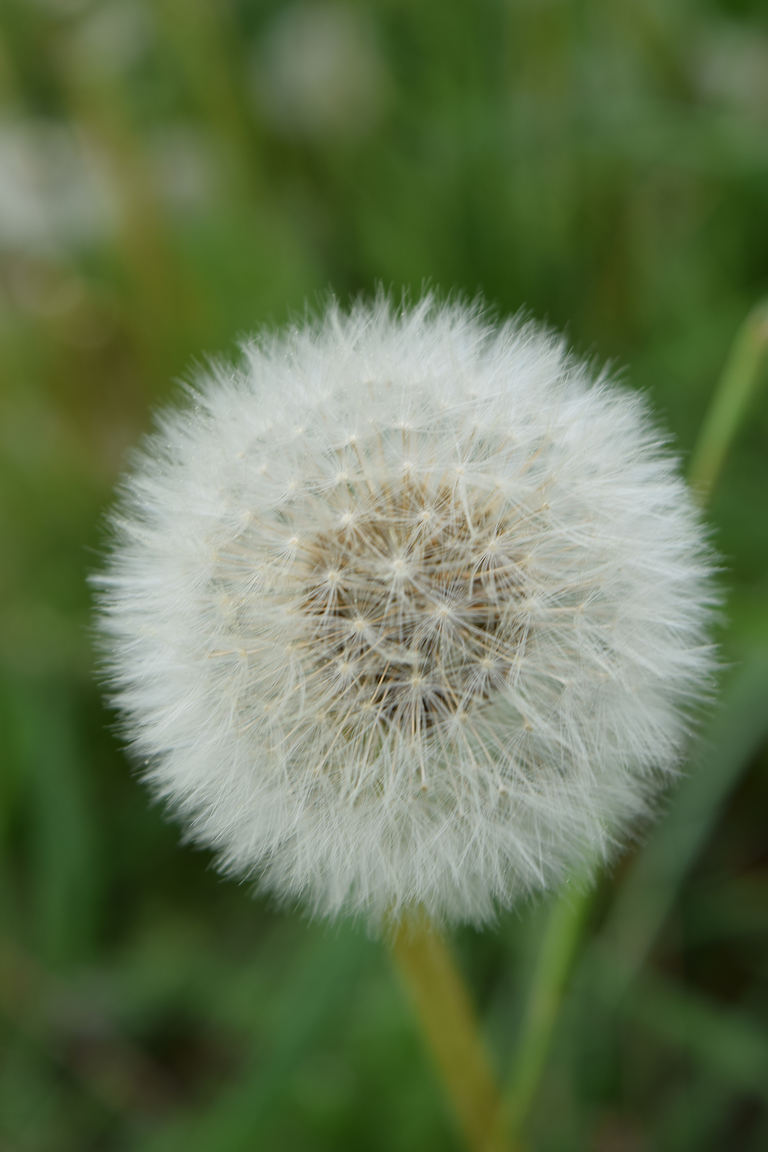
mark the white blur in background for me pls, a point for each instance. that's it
(316, 72)
(730, 65)
(53, 192)
(114, 37)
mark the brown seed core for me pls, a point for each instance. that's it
(413, 605)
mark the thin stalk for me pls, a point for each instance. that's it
(200, 35)
(555, 960)
(735, 389)
(448, 1021)
(163, 305)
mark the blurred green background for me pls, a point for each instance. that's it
(175, 173)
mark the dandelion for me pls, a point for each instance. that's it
(407, 609)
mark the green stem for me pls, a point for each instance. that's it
(445, 1012)
(737, 384)
(199, 34)
(553, 967)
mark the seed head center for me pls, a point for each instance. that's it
(406, 612)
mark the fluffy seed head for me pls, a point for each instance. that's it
(407, 608)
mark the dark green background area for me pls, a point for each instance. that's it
(603, 166)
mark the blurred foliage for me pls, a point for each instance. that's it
(174, 173)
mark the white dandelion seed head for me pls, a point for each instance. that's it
(408, 608)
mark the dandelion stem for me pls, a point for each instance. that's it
(553, 967)
(445, 1012)
(737, 384)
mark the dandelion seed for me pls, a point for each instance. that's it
(441, 648)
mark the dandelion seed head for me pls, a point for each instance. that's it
(411, 609)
